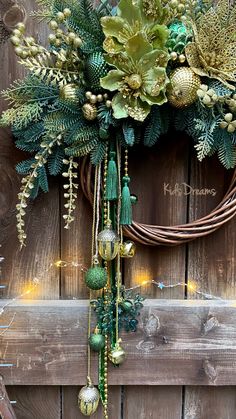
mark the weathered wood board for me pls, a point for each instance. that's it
(178, 342)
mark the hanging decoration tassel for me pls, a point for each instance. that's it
(126, 203)
(126, 200)
(112, 179)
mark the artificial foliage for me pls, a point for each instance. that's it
(107, 75)
(113, 76)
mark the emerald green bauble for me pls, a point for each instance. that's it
(96, 341)
(126, 305)
(179, 37)
(96, 278)
(96, 69)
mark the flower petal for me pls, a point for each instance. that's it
(159, 35)
(113, 80)
(154, 81)
(119, 106)
(115, 27)
(156, 58)
(129, 11)
(138, 46)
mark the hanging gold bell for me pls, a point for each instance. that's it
(127, 249)
(183, 88)
(108, 243)
(88, 399)
(117, 354)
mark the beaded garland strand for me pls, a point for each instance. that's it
(102, 84)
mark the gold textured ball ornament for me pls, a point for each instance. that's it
(184, 86)
(68, 92)
(88, 399)
(89, 111)
(117, 354)
(127, 249)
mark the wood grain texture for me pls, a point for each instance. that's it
(212, 267)
(153, 173)
(149, 172)
(210, 403)
(42, 221)
(36, 402)
(6, 409)
(152, 403)
(178, 342)
(70, 408)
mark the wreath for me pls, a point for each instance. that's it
(110, 78)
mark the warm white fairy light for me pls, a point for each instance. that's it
(190, 285)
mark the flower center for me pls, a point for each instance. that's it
(134, 81)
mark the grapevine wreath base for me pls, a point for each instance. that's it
(154, 235)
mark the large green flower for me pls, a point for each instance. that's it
(133, 17)
(140, 78)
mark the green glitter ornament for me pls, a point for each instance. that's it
(179, 37)
(96, 278)
(96, 69)
(97, 340)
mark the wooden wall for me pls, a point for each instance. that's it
(210, 261)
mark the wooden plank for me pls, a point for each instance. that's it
(210, 403)
(70, 408)
(42, 221)
(6, 409)
(212, 266)
(36, 402)
(152, 401)
(156, 206)
(178, 342)
(151, 170)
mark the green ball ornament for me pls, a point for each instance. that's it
(126, 305)
(96, 278)
(96, 341)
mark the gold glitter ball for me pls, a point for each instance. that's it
(184, 86)
(89, 111)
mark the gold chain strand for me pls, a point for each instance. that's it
(106, 378)
(106, 215)
(119, 231)
(126, 168)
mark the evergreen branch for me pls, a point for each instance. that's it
(43, 67)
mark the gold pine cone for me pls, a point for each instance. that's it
(89, 111)
(68, 92)
(184, 86)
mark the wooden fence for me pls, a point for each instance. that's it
(181, 363)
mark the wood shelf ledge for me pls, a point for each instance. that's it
(178, 342)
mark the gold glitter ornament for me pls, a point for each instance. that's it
(108, 243)
(127, 249)
(117, 354)
(68, 92)
(183, 88)
(89, 111)
(88, 399)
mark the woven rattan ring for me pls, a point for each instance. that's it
(153, 235)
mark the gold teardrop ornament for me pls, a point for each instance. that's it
(184, 84)
(88, 399)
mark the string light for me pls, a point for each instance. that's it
(190, 285)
